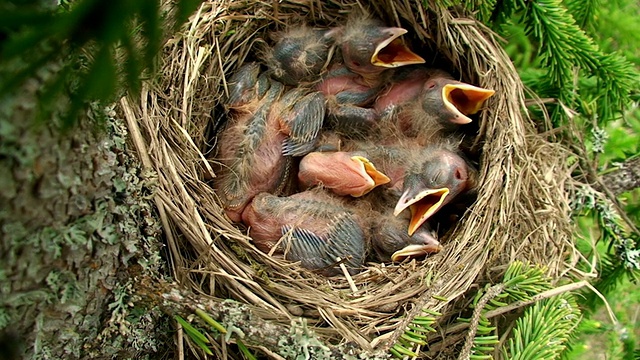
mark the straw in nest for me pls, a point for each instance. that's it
(521, 212)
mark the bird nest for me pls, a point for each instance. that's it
(521, 212)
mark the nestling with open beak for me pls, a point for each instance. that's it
(419, 97)
(425, 178)
(266, 128)
(356, 167)
(390, 240)
(342, 172)
(321, 230)
(435, 180)
(369, 50)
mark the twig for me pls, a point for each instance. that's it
(518, 304)
(180, 342)
(612, 316)
(493, 291)
(352, 284)
(270, 353)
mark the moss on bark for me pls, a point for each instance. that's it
(75, 221)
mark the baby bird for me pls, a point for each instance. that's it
(369, 50)
(312, 227)
(266, 128)
(356, 168)
(434, 180)
(424, 178)
(342, 172)
(392, 243)
(419, 98)
(300, 54)
(389, 238)
(320, 231)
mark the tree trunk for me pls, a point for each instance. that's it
(75, 219)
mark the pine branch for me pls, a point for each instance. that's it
(483, 9)
(568, 54)
(453, 335)
(563, 44)
(96, 49)
(521, 282)
(583, 11)
(544, 330)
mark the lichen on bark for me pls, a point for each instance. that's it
(76, 220)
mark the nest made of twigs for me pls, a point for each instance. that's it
(521, 211)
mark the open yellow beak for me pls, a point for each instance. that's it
(423, 205)
(464, 99)
(393, 52)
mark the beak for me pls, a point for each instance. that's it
(464, 99)
(392, 51)
(422, 205)
(415, 251)
(375, 177)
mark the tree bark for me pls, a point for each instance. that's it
(626, 178)
(74, 220)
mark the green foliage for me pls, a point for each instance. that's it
(602, 338)
(616, 279)
(590, 46)
(584, 12)
(544, 329)
(616, 28)
(566, 55)
(195, 335)
(621, 244)
(520, 283)
(201, 338)
(415, 334)
(95, 47)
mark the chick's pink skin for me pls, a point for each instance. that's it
(341, 82)
(262, 170)
(341, 172)
(402, 90)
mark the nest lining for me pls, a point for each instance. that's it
(521, 212)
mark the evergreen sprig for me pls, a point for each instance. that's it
(415, 335)
(201, 338)
(568, 53)
(583, 11)
(544, 330)
(520, 283)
